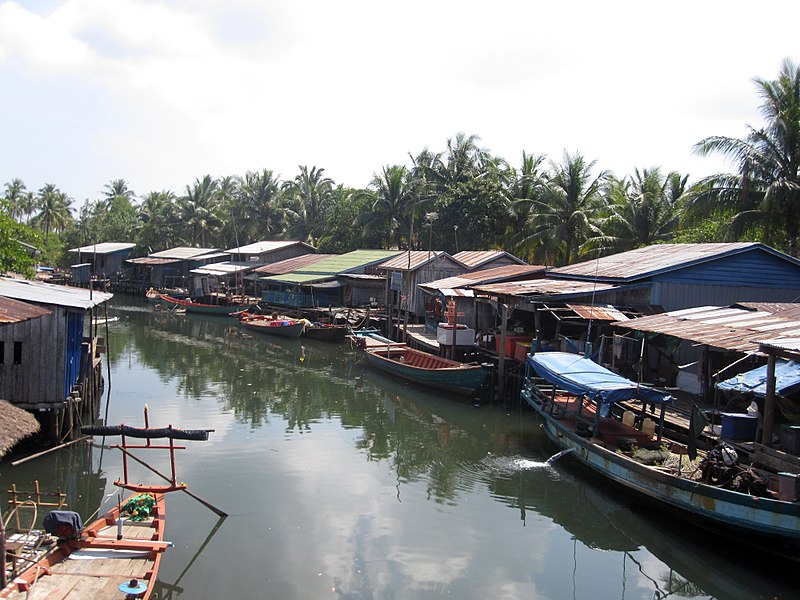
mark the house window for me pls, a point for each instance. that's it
(17, 353)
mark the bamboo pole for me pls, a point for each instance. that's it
(205, 503)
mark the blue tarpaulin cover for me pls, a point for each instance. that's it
(787, 380)
(581, 376)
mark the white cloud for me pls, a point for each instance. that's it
(159, 93)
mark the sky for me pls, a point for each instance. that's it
(160, 93)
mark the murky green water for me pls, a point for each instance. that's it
(342, 483)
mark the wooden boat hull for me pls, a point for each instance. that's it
(293, 330)
(721, 508)
(199, 308)
(94, 566)
(450, 376)
(326, 333)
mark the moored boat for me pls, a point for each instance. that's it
(579, 402)
(426, 369)
(325, 332)
(119, 554)
(202, 308)
(275, 325)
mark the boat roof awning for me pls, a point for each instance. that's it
(787, 380)
(584, 377)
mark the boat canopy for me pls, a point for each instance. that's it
(787, 380)
(584, 377)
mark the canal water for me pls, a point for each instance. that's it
(342, 483)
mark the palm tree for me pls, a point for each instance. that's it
(763, 197)
(157, 221)
(643, 210)
(310, 196)
(261, 213)
(391, 195)
(198, 209)
(118, 188)
(566, 215)
(19, 199)
(54, 209)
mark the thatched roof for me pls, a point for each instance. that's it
(15, 425)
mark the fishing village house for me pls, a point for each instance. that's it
(282, 267)
(230, 274)
(101, 263)
(405, 272)
(340, 280)
(167, 270)
(479, 318)
(48, 367)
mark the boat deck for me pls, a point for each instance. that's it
(97, 569)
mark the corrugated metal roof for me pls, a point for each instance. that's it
(296, 278)
(265, 246)
(292, 264)
(104, 248)
(361, 277)
(787, 344)
(476, 258)
(484, 277)
(732, 328)
(14, 311)
(543, 287)
(411, 260)
(47, 293)
(150, 261)
(598, 312)
(223, 268)
(351, 261)
(654, 260)
(183, 252)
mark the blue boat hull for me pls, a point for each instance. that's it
(728, 509)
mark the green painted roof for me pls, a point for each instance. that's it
(334, 265)
(295, 278)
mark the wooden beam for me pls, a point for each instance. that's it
(769, 403)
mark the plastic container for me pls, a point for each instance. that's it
(739, 427)
(648, 427)
(628, 418)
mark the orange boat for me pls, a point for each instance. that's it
(119, 554)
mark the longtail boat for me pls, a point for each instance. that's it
(581, 404)
(119, 554)
(425, 369)
(204, 309)
(273, 325)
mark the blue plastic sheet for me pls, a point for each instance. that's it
(787, 380)
(583, 377)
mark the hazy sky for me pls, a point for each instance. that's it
(159, 93)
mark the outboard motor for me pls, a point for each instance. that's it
(65, 524)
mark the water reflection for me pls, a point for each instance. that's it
(342, 481)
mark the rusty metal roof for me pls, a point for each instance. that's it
(149, 261)
(598, 312)
(413, 259)
(476, 258)
(291, 264)
(486, 276)
(654, 260)
(735, 328)
(14, 311)
(543, 287)
(788, 345)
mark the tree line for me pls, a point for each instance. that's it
(552, 212)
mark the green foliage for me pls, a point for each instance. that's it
(14, 256)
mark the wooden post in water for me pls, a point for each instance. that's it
(501, 361)
(769, 403)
